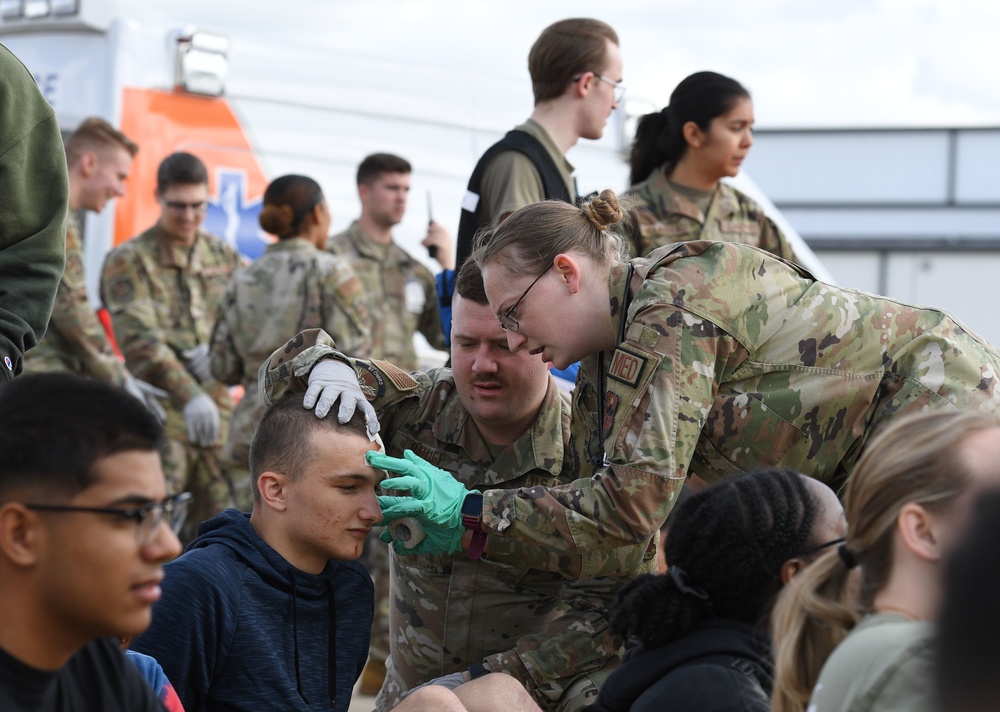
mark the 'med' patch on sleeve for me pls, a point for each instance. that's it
(627, 366)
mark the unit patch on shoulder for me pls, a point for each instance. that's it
(627, 366)
(400, 378)
(371, 381)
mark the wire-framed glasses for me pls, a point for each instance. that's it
(147, 518)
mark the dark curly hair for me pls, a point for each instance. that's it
(730, 542)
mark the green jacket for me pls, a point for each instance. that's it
(34, 200)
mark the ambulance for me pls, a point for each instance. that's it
(254, 107)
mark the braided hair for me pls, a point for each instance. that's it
(725, 550)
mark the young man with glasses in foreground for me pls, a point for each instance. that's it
(85, 528)
(162, 289)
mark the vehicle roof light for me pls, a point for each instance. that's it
(202, 62)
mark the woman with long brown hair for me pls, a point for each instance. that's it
(854, 631)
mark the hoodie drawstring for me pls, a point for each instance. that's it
(332, 652)
(295, 640)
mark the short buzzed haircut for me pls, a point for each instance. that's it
(567, 49)
(281, 442)
(180, 169)
(55, 427)
(95, 134)
(469, 283)
(378, 163)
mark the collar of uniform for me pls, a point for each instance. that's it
(537, 449)
(370, 249)
(670, 202)
(178, 256)
(618, 287)
(530, 126)
(290, 244)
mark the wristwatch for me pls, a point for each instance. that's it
(472, 516)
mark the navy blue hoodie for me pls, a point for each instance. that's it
(239, 628)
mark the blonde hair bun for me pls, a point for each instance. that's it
(604, 210)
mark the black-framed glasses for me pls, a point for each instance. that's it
(180, 207)
(147, 518)
(813, 550)
(617, 88)
(509, 323)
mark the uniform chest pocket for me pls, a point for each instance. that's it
(742, 433)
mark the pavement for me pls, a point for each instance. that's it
(361, 703)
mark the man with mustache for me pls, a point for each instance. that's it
(494, 417)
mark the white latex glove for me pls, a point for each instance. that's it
(202, 419)
(330, 380)
(147, 393)
(198, 362)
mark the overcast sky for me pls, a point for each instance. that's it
(807, 63)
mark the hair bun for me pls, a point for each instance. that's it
(604, 210)
(277, 220)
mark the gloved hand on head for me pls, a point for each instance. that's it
(331, 380)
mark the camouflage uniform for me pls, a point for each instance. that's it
(401, 294)
(291, 286)
(451, 611)
(75, 340)
(163, 298)
(731, 360)
(664, 217)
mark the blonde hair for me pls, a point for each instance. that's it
(529, 239)
(93, 134)
(916, 459)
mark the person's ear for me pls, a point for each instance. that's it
(693, 134)
(569, 270)
(918, 531)
(581, 87)
(273, 488)
(364, 191)
(790, 569)
(88, 163)
(21, 534)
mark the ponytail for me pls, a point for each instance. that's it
(814, 612)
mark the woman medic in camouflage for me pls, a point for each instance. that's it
(679, 156)
(703, 359)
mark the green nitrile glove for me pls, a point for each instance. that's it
(435, 501)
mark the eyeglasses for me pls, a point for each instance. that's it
(618, 89)
(814, 549)
(147, 517)
(509, 323)
(181, 207)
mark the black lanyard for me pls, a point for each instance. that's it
(602, 459)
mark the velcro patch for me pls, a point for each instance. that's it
(370, 380)
(626, 366)
(738, 227)
(400, 378)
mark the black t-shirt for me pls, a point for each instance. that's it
(98, 677)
